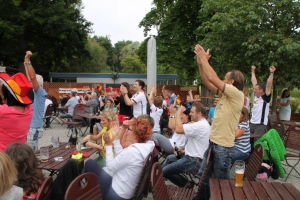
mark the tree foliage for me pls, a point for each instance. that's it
(177, 22)
(55, 31)
(259, 32)
(133, 64)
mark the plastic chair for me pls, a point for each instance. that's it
(45, 189)
(161, 191)
(254, 162)
(85, 186)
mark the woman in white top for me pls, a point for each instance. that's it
(123, 170)
(285, 107)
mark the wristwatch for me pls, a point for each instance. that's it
(172, 117)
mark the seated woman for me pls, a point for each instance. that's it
(126, 167)
(14, 107)
(30, 178)
(8, 175)
(107, 117)
(242, 145)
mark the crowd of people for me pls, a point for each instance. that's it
(132, 127)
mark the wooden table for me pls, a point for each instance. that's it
(54, 166)
(88, 116)
(289, 123)
(225, 189)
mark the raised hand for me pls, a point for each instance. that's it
(202, 55)
(28, 54)
(253, 68)
(114, 128)
(272, 69)
(107, 139)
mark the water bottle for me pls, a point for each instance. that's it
(78, 144)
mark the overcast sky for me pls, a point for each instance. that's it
(118, 19)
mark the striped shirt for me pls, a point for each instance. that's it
(243, 142)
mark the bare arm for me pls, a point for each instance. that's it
(178, 123)
(239, 133)
(30, 72)
(127, 100)
(286, 104)
(253, 77)
(151, 96)
(208, 75)
(191, 95)
(270, 80)
(171, 124)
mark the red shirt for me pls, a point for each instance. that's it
(14, 125)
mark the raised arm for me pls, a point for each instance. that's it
(128, 101)
(207, 73)
(30, 72)
(253, 77)
(270, 80)
(191, 95)
(171, 123)
(151, 96)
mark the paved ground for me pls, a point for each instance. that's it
(62, 132)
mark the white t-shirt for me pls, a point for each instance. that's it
(156, 113)
(47, 103)
(180, 140)
(260, 110)
(197, 135)
(140, 106)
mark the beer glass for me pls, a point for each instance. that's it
(239, 173)
(55, 141)
(44, 154)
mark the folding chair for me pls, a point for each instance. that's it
(292, 142)
(76, 123)
(45, 189)
(48, 114)
(85, 186)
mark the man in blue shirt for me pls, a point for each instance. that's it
(38, 105)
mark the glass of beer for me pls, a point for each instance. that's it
(44, 154)
(239, 173)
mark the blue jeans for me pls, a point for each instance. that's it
(105, 180)
(169, 159)
(221, 163)
(173, 170)
(238, 155)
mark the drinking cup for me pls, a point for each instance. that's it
(44, 154)
(55, 141)
(239, 173)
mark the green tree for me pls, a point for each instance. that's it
(177, 22)
(97, 63)
(55, 31)
(129, 50)
(106, 43)
(133, 64)
(259, 32)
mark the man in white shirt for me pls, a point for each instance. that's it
(197, 134)
(261, 102)
(155, 109)
(138, 101)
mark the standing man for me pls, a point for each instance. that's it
(38, 105)
(197, 135)
(261, 103)
(226, 117)
(138, 101)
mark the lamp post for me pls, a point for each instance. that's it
(114, 76)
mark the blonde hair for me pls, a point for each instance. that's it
(110, 116)
(8, 173)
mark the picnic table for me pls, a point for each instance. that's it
(54, 166)
(225, 189)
